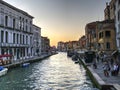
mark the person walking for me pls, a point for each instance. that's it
(106, 68)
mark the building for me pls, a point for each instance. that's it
(36, 40)
(82, 42)
(91, 36)
(45, 45)
(18, 36)
(117, 23)
(109, 12)
(61, 46)
(112, 9)
(15, 31)
(106, 36)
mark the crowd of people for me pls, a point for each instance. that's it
(109, 65)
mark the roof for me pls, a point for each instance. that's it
(91, 25)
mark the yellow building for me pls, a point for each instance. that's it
(106, 36)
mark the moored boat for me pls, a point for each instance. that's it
(25, 64)
(3, 70)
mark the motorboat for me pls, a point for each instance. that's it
(25, 64)
(3, 70)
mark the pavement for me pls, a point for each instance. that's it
(111, 80)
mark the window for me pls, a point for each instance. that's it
(119, 42)
(6, 20)
(118, 27)
(26, 27)
(2, 36)
(107, 45)
(17, 38)
(107, 33)
(26, 39)
(20, 39)
(6, 37)
(13, 37)
(101, 35)
(30, 40)
(118, 15)
(20, 23)
(2, 51)
(23, 39)
(13, 23)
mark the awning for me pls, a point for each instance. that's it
(101, 41)
(6, 55)
(114, 53)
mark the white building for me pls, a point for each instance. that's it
(36, 40)
(117, 22)
(16, 33)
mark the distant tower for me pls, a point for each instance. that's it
(107, 12)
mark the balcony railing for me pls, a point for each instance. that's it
(14, 45)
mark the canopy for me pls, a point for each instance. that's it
(5, 55)
(115, 52)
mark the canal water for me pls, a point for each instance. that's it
(57, 72)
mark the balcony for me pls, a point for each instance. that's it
(13, 45)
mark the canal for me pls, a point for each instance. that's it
(57, 72)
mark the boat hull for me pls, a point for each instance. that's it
(3, 72)
(25, 64)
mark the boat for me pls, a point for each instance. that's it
(25, 64)
(76, 61)
(3, 70)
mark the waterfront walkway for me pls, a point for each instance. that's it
(103, 80)
(109, 80)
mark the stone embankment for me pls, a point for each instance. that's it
(30, 60)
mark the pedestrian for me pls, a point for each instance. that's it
(106, 69)
(114, 70)
(97, 58)
(94, 63)
(111, 61)
(117, 69)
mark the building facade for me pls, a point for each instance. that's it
(36, 40)
(107, 36)
(109, 11)
(117, 23)
(61, 46)
(17, 32)
(82, 42)
(91, 34)
(45, 45)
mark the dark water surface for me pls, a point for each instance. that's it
(57, 72)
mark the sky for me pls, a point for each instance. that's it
(62, 20)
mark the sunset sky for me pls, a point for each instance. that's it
(62, 20)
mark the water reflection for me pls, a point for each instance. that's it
(55, 73)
